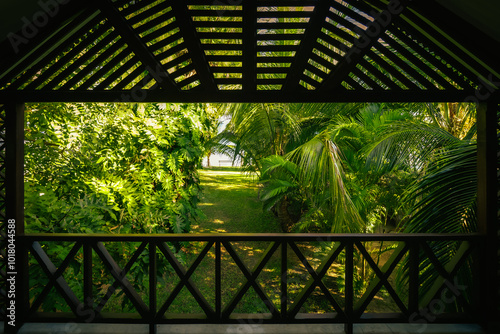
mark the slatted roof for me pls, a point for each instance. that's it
(247, 51)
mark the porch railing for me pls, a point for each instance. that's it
(342, 283)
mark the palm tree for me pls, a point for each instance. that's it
(442, 199)
(442, 150)
(259, 131)
(324, 170)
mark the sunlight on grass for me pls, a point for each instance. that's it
(230, 198)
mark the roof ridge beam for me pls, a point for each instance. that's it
(363, 44)
(136, 45)
(249, 68)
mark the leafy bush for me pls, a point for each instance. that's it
(94, 168)
(113, 168)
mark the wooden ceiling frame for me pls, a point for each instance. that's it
(250, 51)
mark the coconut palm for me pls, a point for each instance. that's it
(443, 152)
(444, 157)
(325, 173)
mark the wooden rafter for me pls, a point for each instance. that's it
(152, 65)
(307, 45)
(249, 45)
(361, 46)
(193, 45)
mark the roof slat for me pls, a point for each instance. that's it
(135, 43)
(396, 73)
(130, 78)
(79, 61)
(150, 12)
(117, 73)
(403, 51)
(142, 29)
(357, 52)
(133, 6)
(212, 13)
(56, 53)
(378, 74)
(113, 63)
(424, 53)
(92, 65)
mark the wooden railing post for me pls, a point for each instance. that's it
(284, 281)
(17, 273)
(413, 282)
(349, 286)
(152, 286)
(218, 286)
(487, 207)
(88, 298)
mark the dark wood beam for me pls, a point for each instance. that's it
(487, 208)
(28, 43)
(363, 44)
(153, 65)
(14, 154)
(249, 45)
(14, 201)
(238, 96)
(192, 40)
(306, 45)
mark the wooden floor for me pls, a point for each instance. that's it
(73, 328)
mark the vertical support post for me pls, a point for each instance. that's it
(487, 207)
(218, 300)
(349, 286)
(284, 280)
(17, 272)
(152, 287)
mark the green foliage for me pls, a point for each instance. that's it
(333, 184)
(113, 168)
(441, 150)
(93, 168)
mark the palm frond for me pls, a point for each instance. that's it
(320, 164)
(407, 145)
(445, 198)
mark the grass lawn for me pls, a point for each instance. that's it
(230, 203)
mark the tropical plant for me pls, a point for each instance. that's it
(113, 168)
(311, 160)
(442, 151)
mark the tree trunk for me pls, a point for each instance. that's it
(285, 219)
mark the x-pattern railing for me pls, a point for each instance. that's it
(410, 250)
